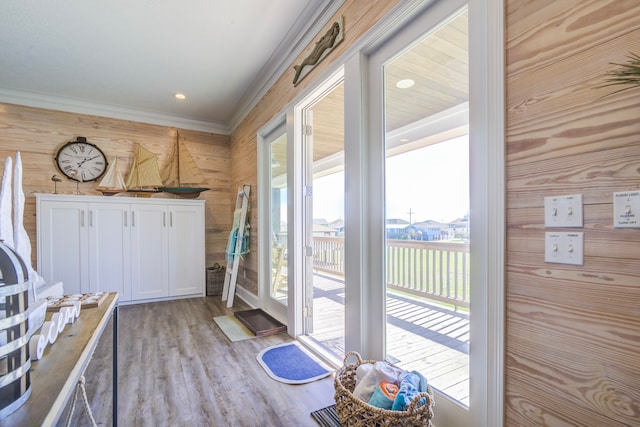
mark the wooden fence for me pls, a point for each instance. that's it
(437, 270)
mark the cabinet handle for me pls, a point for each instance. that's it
(125, 218)
(164, 219)
(133, 218)
(170, 219)
(82, 218)
(90, 218)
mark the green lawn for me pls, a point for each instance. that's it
(439, 272)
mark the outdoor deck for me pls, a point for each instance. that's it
(421, 335)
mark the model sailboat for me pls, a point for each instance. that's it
(182, 175)
(144, 176)
(112, 182)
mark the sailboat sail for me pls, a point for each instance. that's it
(181, 170)
(112, 182)
(182, 173)
(144, 173)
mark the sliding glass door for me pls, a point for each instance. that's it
(418, 169)
(323, 214)
(426, 121)
(419, 126)
(274, 200)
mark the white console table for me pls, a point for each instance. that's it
(55, 376)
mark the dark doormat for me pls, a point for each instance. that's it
(327, 417)
(259, 322)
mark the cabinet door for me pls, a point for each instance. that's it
(63, 245)
(149, 254)
(186, 250)
(110, 249)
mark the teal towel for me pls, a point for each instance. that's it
(384, 395)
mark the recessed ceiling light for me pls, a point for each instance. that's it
(405, 83)
(180, 96)
(405, 140)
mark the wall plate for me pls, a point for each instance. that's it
(563, 211)
(564, 248)
(626, 209)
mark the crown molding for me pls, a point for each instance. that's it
(299, 36)
(37, 100)
(311, 21)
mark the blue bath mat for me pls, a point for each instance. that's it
(289, 363)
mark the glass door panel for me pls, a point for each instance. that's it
(427, 208)
(278, 286)
(324, 148)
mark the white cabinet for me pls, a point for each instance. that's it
(109, 249)
(63, 244)
(186, 244)
(144, 249)
(149, 251)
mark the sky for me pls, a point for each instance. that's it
(432, 183)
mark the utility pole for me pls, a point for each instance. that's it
(410, 213)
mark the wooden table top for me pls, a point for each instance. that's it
(54, 377)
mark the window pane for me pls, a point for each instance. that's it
(427, 208)
(278, 151)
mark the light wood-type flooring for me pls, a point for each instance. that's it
(177, 368)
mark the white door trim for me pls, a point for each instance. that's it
(486, 33)
(487, 205)
(487, 121)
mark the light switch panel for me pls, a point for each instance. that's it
(626, 209)
(564, 248)
(563, 211)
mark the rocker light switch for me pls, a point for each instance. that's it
(563, 211)
(626, 209)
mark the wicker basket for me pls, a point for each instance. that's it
(215, 279)
(354, 412)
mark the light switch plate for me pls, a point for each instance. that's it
(563, 211)
(564, 248)
(626, 209)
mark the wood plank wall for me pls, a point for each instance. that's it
(38, 133)
(359, 16)
(572, 332)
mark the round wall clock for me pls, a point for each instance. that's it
(81, 161)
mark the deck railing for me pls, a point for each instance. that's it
(438, 270)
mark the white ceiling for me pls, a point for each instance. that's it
(126, 58)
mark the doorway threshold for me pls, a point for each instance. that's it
(320, 351)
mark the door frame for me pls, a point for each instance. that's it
(265, 137)
(302, 274)
(487, 186)
(375, 324)
(486, 47)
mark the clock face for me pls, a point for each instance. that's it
(81, 161)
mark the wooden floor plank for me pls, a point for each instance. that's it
(176, 368)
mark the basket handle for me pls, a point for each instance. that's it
(357, 356)
(413, 406)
